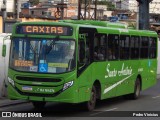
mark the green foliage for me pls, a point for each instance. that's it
(34, 2)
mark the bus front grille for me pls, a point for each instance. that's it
(33, 79)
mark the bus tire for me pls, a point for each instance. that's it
(90, 105)
(38, 104)
(137, 89)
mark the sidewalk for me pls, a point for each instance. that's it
(4, 102)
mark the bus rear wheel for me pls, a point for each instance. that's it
(137, 89)
(90, 105)
(38, 104)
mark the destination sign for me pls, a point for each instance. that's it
(23, 63)
(40, 29)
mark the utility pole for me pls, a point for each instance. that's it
(18, 7)
(62, 9)
(137, 25)
(15, 9)
(144, 14)
(4, 14)
(87, 9)
(79, 9)
(95, 10)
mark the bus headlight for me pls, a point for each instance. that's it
(67, 85)
(11, 81)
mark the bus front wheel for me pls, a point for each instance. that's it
(38, 104)
(90, 105)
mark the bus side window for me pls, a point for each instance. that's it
(144, 47)
(124, 47)
(134, 45)
(100, 47)
(152, 47)
(113, 47)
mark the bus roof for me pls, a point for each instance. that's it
(114, 28)
(96, 23)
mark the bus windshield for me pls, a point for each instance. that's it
(42, 55)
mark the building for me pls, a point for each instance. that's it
(10, 4)
(126, 5)
(155, 7)
(56, 1)
(42, 10)
(132, 5)
(11, 13)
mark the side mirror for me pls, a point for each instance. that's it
(4, 50)
(4, 47)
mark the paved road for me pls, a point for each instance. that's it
(147, 104)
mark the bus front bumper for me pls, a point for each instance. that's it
(70, 95)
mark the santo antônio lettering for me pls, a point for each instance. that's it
(44, 29)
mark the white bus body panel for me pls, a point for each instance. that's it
(4, 63)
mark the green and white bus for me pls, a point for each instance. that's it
(80, 62)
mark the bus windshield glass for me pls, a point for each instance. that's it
(42, 55)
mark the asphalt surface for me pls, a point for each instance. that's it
(146, 107)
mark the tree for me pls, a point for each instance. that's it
(34, 2)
